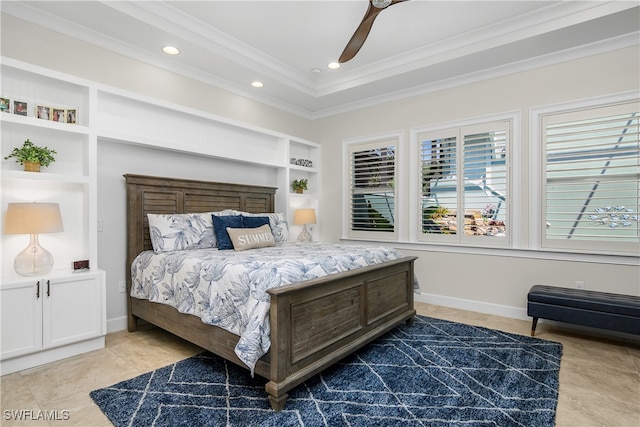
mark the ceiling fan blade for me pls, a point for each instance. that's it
(362, 32)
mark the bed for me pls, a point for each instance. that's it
(313, 323)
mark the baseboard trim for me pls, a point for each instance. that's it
(116, 324)
(42, 357)
(471, 305)
(520, 314)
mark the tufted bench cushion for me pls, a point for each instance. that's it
(581, 307)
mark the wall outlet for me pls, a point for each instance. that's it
(579, 285)
(122, 286)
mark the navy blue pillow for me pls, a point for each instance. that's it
(254, 221)
(220, 224)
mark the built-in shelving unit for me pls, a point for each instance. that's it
(70, 180)
(102, 115)
(308, 153)
(61, 313)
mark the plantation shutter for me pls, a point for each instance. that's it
(372, 187)
(465, 184)
(592, 188)
(439, 196)
(485, 180)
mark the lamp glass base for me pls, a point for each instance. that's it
(34, 260)
(304, 235)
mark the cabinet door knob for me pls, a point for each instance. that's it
(38, 289)
(48, 288)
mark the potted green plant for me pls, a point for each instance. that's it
(299, 185)
(32, 156)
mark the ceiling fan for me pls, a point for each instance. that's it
(361, 33)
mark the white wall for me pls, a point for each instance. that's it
(115, 160)
(36, 45)
(484, 281)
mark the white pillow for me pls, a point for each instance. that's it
(178, 232)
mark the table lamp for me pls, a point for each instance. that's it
(32, 219)
(304, 217)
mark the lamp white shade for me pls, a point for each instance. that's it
(304, 216)
(32, 219)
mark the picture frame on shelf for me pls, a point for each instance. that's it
(72, 116)
(43, 112)
(59, 115)
(20, 108)
(5, 105)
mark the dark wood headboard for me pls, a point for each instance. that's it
(149, 194)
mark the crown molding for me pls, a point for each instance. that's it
(319, 90)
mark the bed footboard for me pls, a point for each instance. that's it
(313, 324)
(318, 322)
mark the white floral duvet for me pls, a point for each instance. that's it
(228, 288)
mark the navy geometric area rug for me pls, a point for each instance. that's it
(433, 373)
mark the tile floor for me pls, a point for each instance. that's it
(599, 378)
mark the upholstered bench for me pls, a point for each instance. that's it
(587, 308)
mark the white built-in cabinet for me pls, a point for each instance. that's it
(38, 327)
(50, 317)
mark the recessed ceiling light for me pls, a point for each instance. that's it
(257, 84)
(170, 50)
(334, 65)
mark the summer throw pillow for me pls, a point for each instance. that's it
(251, 238)
(220, 225)
(177, 232)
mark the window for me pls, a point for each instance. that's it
(464, 170)
(371, 189)
(591, 186)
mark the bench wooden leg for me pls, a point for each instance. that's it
(533, 326)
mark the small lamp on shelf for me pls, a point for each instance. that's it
(304, 217)
(33, 219)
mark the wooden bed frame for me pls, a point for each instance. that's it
(313, 323)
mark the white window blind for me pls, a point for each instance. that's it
(372, 174)
(485, 181)
(592, 186)
(439, 196)
(464, 170)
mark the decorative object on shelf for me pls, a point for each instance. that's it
(33, 219)
(303, 162)
(304, 217)
(5, 105)
(72, 116)
(32, 156)
(299, 185)
(43, 112)
(82, 265)
(20, 108)
(59, 115)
